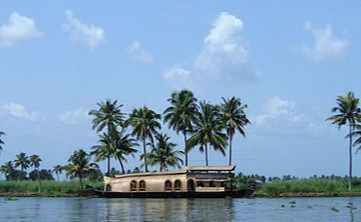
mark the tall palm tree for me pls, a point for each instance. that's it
(57, 170)
(107, 115)
(123, 147)
(22, 160)
(162, 153)
(35, 162)
(78, 166)
(348, 113)
(208, 131)
(181, 115)
(8, 170)
(104, 150)
(145, 123)
(1, 142)
(234, 118)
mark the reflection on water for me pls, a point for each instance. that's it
(260, 209)
(169, 209)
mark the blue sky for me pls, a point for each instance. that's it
(288, 60)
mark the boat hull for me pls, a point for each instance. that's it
(232, 194)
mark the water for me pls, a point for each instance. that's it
(258, 209)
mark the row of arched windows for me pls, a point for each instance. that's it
(168, 186)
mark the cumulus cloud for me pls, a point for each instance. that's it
(18, 28)
(277, 107)
(224, 52)
(139, 53)
(326, 46)
(19, 111)
(74, 116)
(90, 35)
(178, 76)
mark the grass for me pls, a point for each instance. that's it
(311, 185)
(49, 187)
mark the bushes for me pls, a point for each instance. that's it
(49, 187)
(311, 185)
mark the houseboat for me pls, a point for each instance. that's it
(193, 181)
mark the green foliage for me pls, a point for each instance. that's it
(311, 185)
(49, 187)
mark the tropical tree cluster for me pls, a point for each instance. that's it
(348, 113)
(203, 125)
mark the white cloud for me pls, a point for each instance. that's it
(178, 76)
(139, 53)
(90, 35)
(19, 111)
(277, 107)
(18, 28)
(326, 46)
(74, 116)
(224, 52)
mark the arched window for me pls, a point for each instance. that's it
(133, 185)
(168, 185)
(142, 185)
(108, 187)
(177, 185)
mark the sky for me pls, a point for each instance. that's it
(287, 60)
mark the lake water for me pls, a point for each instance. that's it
(257, 209)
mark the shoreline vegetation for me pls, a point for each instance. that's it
(274, 187)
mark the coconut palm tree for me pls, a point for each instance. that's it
(105, 149)
(35, 162)
(78, 166)
(107, 115)
(163, 153)
(349, 113)
(22, 160)
(234, 118)
(144, 123)
(57, 170)
(181, 115)
(8, 170)
(1, 142)
(208, 131)
(123, 147)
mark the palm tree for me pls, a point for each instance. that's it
(348, 113)
(1, 142)
(22, 161)
(145, 124)
(78, 166)
(208, 131)
(104, 150)
(181, 115)
(162, 153)
(108, 115)
(35, 162)
(123, 147)
(8, 170)
(57, 170)
(233, 118)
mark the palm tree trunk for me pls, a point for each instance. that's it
(206, 153)
(350, 160)
(230, 149)
(121, 165)
(108, 171)
(145, 158)
(185, 149)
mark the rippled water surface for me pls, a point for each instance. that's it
(258, 209)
